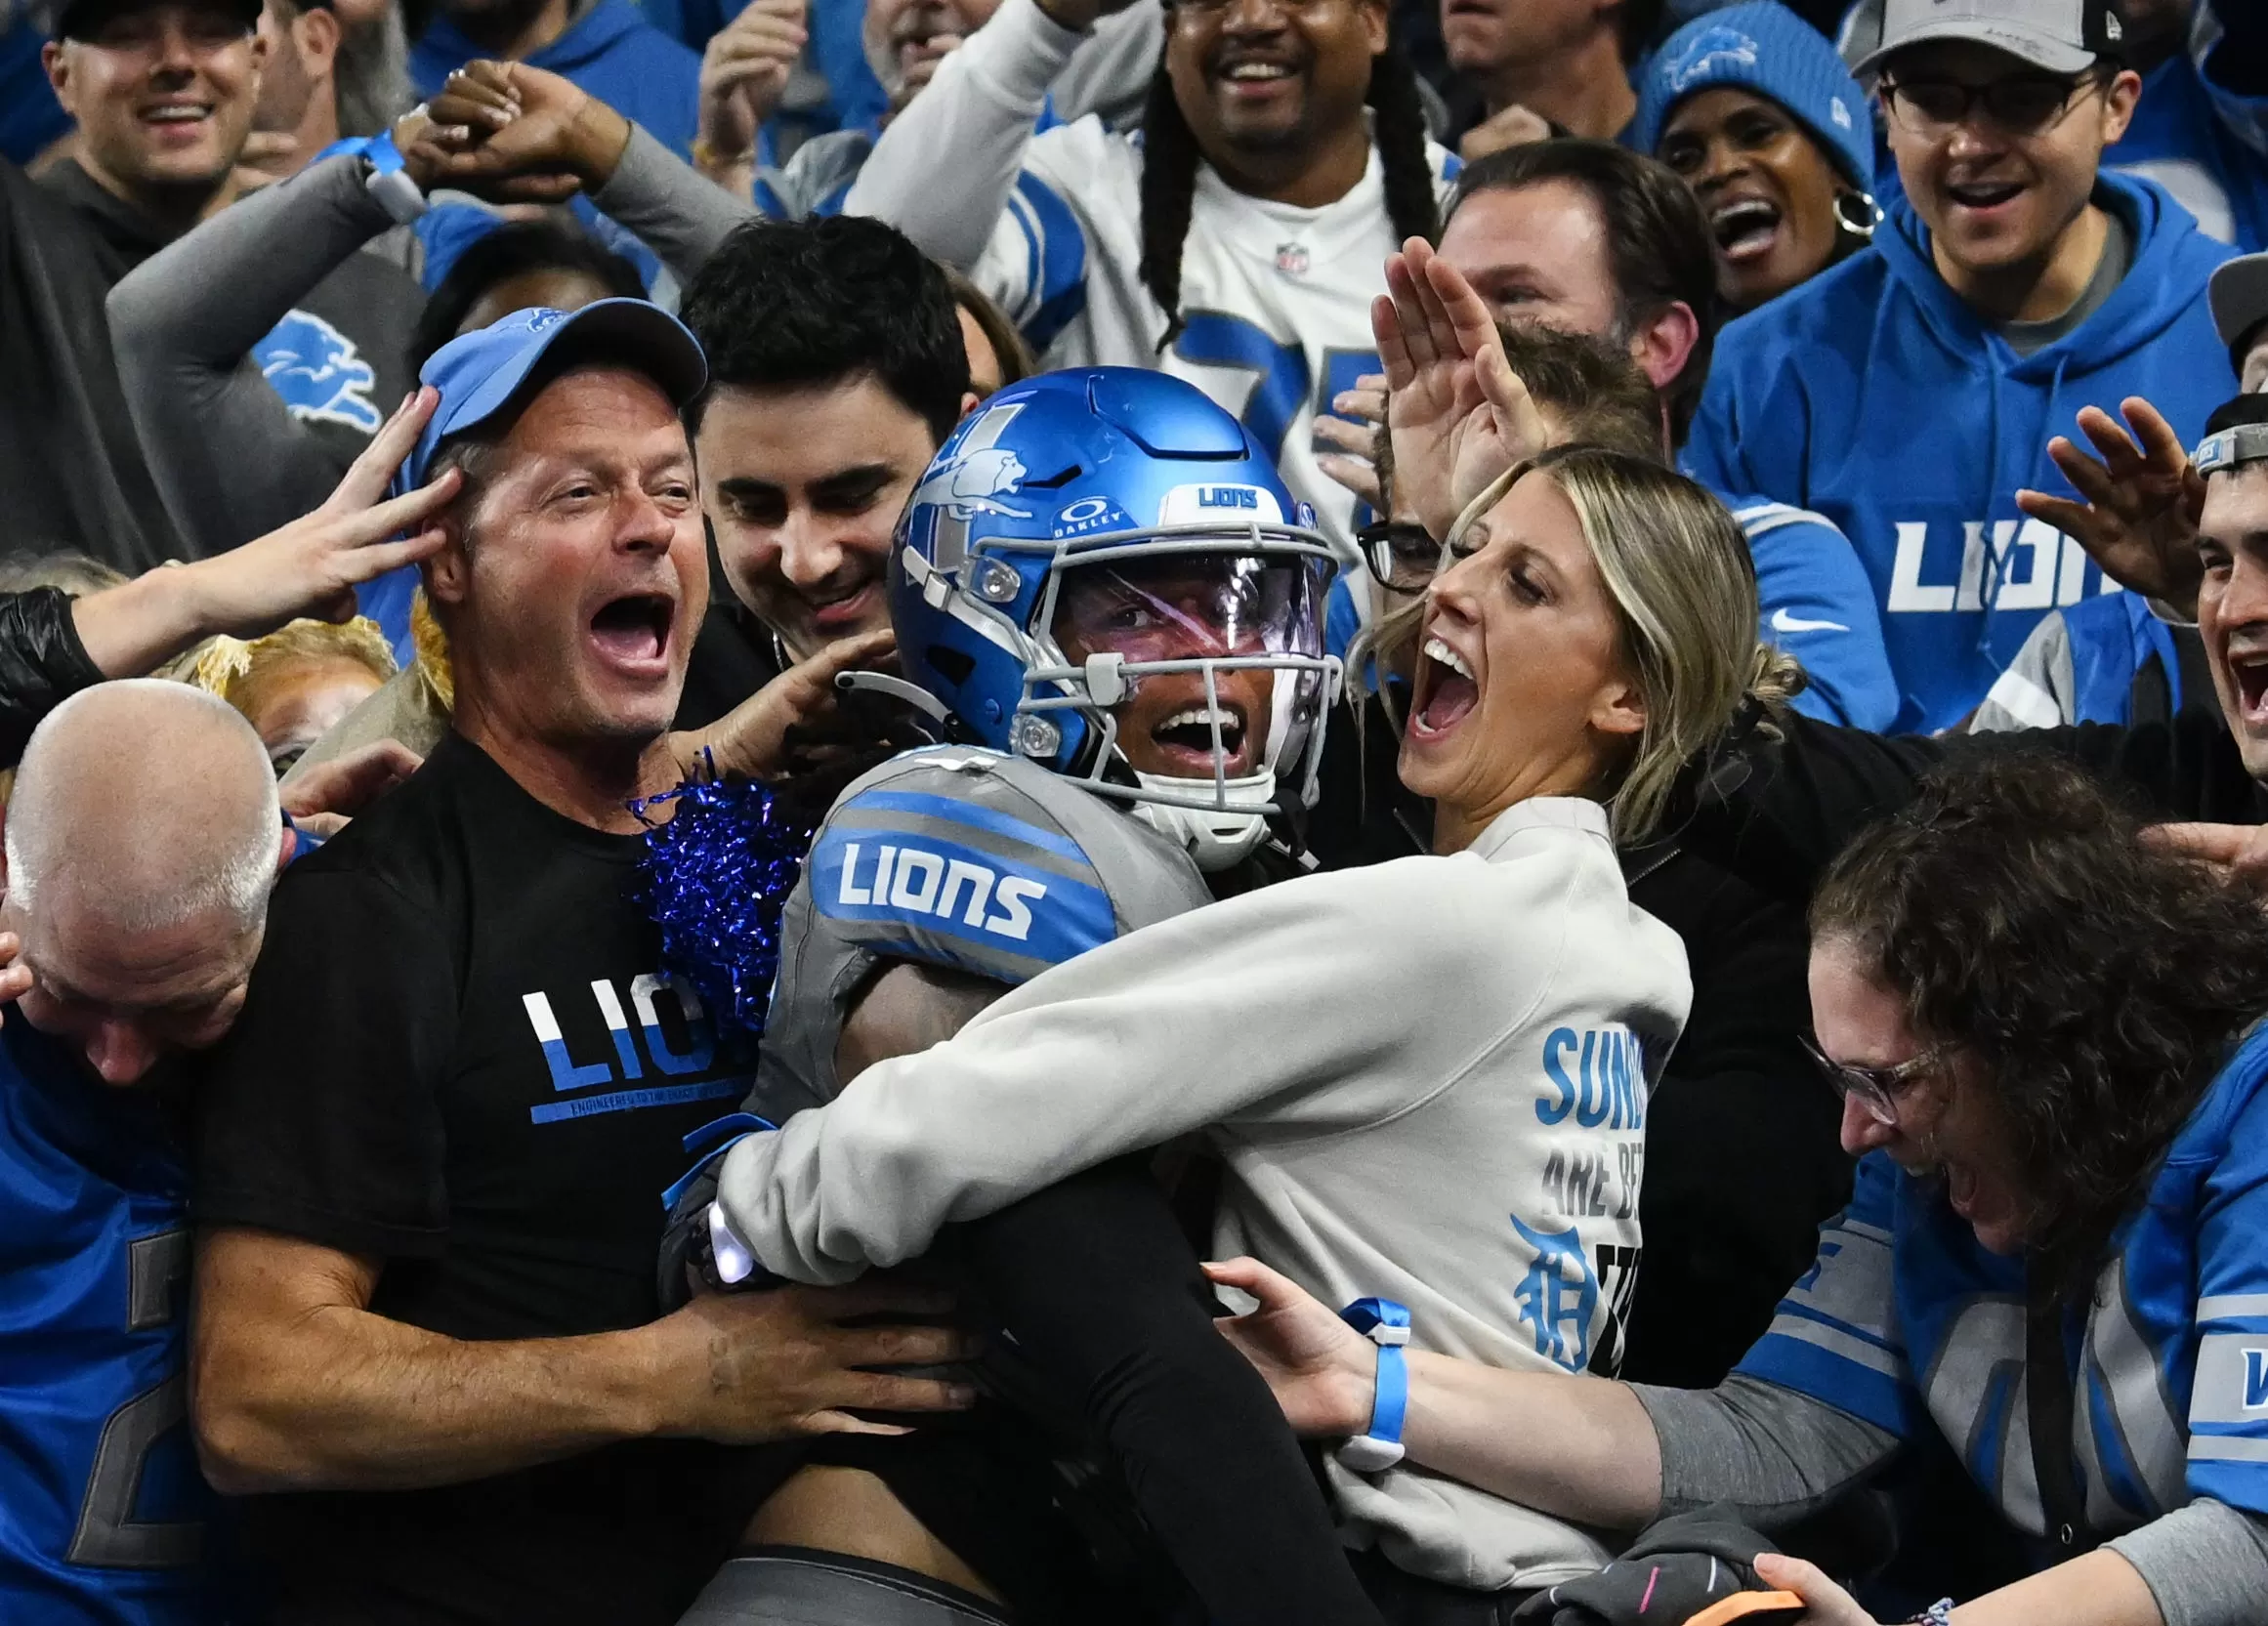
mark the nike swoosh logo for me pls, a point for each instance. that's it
(1783, 622)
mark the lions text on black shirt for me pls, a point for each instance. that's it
(459, 1057)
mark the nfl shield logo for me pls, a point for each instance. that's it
(1291, 259)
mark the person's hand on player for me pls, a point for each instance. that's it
(744, 72)
(765, 737)
(746, 1368)
(1457, 414)
(2138, 506)
(312, 565)
(1322, 1371)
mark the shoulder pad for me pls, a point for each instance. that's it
(955, 856)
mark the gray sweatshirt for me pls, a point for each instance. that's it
(229, 456)
(1427, 1080)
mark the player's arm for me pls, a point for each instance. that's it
(907, 1007)
(973, 123)
(296, 1384)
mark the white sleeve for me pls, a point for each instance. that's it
(1283, 1011)
(945, 168)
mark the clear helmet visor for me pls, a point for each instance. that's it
(1219, 657)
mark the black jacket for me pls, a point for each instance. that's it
(1781, 809)
(72, 470)
(42, 663)
(1742, 1162)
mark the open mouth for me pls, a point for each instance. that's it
(1255, 77)
(846, 611)
(1185, 740)
(1745, 228)
(1983, 195)
(2250, 670)
(632, 631)
(1446, 692)
(176, 117)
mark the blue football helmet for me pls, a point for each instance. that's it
(1102, 572)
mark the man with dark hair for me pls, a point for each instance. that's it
(836, 369)
(1563, 62)
(1911, 394)
(431, 1151)
(1233, 242)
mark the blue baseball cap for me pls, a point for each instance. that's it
(482, 374)
(1765, 48)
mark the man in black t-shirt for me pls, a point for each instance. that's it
(432, 1153)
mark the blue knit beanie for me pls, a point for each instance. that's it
(1763, 47)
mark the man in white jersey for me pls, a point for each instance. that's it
(1234, 241)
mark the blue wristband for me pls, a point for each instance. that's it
(389, 178)
(1386, 1324)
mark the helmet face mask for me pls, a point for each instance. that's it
(1148, 623)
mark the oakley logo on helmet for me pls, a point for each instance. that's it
(967, 486)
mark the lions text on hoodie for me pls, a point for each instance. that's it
(1876, 396)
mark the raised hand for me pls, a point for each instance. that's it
(2138, 508)
(513, 134)
(1457, 413)
(744, 72)
(1361, 411)
(312, 565)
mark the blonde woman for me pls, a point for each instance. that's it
(1426, 1080)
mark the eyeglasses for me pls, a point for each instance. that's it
(1876, 1089)
(2021, 104)
(1399, 553)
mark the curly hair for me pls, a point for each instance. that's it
(2098, 982)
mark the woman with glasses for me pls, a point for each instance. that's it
(1752, 107)
(2045, 1035)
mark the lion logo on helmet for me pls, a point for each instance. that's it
(971, 486)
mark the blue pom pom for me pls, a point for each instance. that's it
(715, 878)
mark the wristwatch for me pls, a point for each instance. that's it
(1386, 1324)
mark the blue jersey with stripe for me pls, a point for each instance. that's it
(961, 859)
(1905, 1320)
(102, 1508)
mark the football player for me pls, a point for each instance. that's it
(1234, 241)
(1111, 610)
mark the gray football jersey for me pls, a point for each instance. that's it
(953, 855)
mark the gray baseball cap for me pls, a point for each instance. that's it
(2058, 36)
(2238, 295)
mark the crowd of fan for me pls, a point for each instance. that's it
(432, 431)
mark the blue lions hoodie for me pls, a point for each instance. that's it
(610, 51)
(1875, 396)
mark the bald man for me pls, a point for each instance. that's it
(140, 842)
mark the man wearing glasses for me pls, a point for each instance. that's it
(1910, 395)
